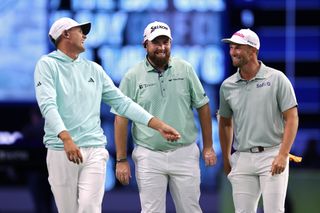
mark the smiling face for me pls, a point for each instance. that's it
(159, 50)
(241, 54)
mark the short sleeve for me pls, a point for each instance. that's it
(285, 94)
(224, 107)
(198, 95)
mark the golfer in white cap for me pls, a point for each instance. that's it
(169, 88)
(69, 91)
(258, 111)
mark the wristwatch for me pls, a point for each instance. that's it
(121, 160)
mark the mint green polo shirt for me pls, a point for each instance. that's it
(256, 107)
(171, 96)
(69, 93)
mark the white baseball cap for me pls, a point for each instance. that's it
(65, 23)
(156, 29)
(244, 36)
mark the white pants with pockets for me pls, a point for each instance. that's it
(78, 188)
(179, 169)
(250, 177)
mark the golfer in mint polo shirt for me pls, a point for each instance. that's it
(168, 88)
(69, 91)
(259, 108)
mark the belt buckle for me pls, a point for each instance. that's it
(256, 149)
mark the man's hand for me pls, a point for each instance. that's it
(123, 172)
(169, 133)
(279, 164)
(226, 167)
(71, 149)
(209, 156)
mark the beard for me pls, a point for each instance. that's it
(239, 62)
(235, 63)
(159, 61)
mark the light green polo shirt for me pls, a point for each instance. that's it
(69, 93)
(170, 96)
(256, 107)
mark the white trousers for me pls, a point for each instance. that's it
(179, 169)
(250, 177)
(78, 188)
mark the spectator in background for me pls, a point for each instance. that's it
(169, 88)
(69, 91)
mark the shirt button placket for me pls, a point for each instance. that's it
(162, 85)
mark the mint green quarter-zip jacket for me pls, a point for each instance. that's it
(69, 94)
